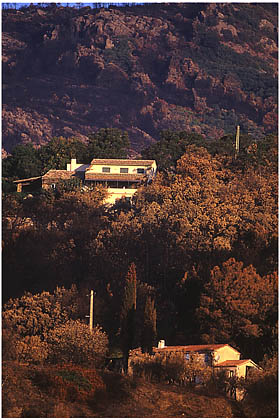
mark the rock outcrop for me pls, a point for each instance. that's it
(195, 67)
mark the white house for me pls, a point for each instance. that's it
(121, 177)
(219, 356)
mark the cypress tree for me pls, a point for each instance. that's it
(149, 326)
(128, 313)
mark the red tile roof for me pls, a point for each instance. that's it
(197, 347)
(122, 162)
(233, 363)
(58, 173)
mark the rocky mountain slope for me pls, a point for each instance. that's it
(198, 67)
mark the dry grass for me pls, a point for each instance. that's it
(145, 399)
(36, 392)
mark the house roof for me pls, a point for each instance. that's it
(58, 173)
(122, 162)
(235, 363)
(196, 347)
(27, 179)
(89, 176)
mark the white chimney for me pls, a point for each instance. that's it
(73, 164)
(161, 344)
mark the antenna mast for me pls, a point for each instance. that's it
(237, 141)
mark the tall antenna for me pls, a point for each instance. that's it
(91, 311)
(237, 141)
(91, 314)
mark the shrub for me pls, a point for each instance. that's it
(69, 382)
(172, 368)
(31, 350)
(73, 342)
(261, 390)
(9, 340)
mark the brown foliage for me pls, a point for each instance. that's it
(238, 305)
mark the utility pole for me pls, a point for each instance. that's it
(237, 141)
(91, 311)
(90, 316)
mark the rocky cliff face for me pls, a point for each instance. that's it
(194, 67)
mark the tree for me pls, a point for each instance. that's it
(59, 151)
(171, 146)
(238, 306)
(108, 143)
(46, 326)
(24, 162)
(149, 326)
(261, 390)
(128, 313)
(73, 342)
(35, 315)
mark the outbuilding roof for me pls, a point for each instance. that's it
(58, 173)
(34, 178)
(235, 363)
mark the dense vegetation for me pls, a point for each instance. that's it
(192, 260)
(207, 227)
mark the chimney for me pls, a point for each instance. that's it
(161, 344)
(73, 164)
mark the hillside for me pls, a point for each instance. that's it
(196, 67)
(114, 396)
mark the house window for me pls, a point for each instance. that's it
(106, 169)
(53, 186)
(124, 170)
(140, 170)
(187, 356)
(231, 373)
(206, 357)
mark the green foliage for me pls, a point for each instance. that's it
(59, 151)
(170, 148)
(120, 54)
(218, 60)
(76, 378)
(24, 162)
(108, 143)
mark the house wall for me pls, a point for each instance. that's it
(117, 193)
(239, 371)
(225, 353)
